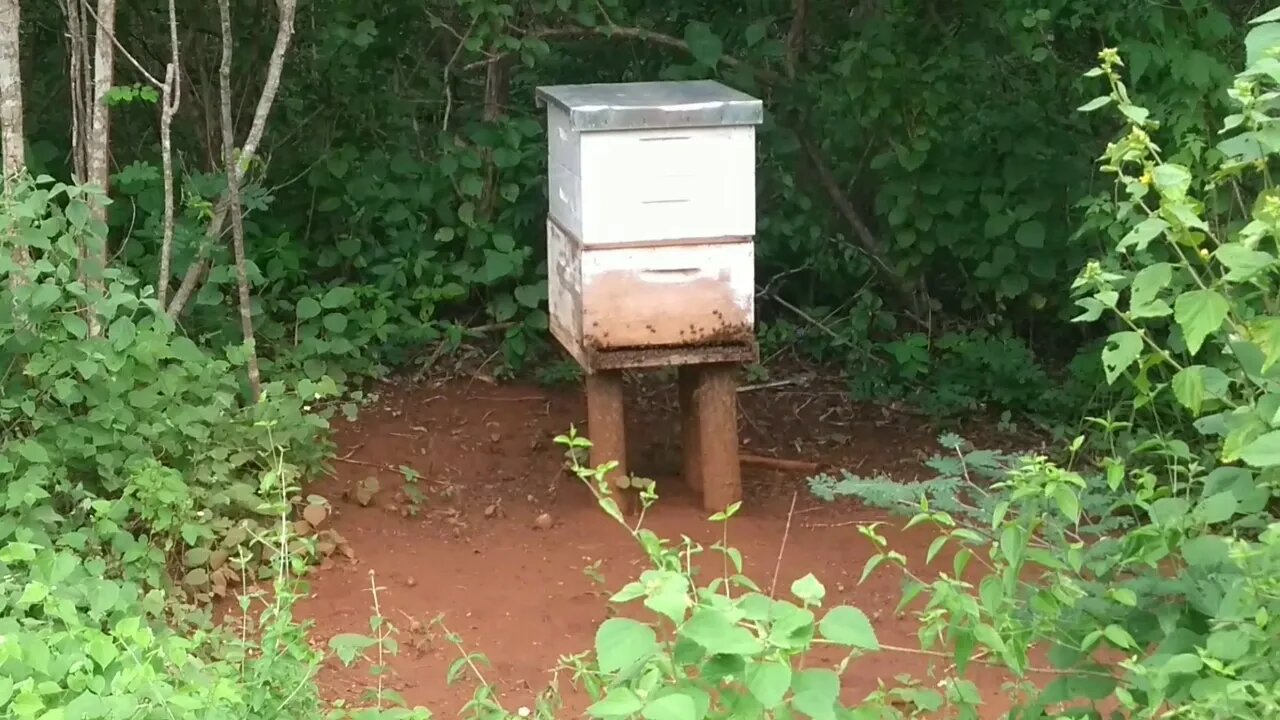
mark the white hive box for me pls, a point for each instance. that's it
(651, 221)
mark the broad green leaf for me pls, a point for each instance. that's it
(1260, 39)
(849, 626)
(1188, 387)
(196, 578)
(988, 636)
(1183, 664)
(503, 307)
(816, 693)
(33, 593)
(621, 643)
(122, 332)
(1124, 596)
(675, 706)
(1169, 511)
(1217, 508)
(497, 265)
(1263, 452)
(335, 323)
(1243, 263)
(768, 682)
(1205, 551)
(667, 593)
(619, 703)
(1099, 102)
(103, 650)
(308, 308)
(1266, 334)
(33, 452)
(1146, 286)
(1118, 636)
(196, 557)
(1227, 645)
(704, 44)
(104, 596)
(77, 212)
(503, 242)
(337, 297)
(1142, 234)
(1172, 180)
(809, 589)
(75, 325)
(1068, 504)
(1271, 15)
(349, 646)
(1200, 313)
(1030, 234)
(1121, 351)
(530, 295)
(1093, 310)
(718, 635)
(792, 627)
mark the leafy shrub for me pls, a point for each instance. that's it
(1152, 556)
(127, 454)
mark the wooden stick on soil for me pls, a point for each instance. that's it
(780, 464)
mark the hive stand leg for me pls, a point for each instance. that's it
(606, 428)
(715, 403)
(689, 377)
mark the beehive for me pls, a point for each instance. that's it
(651, 222)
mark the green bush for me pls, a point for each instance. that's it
(128, 454)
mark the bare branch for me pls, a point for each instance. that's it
(171, 99)
(796, 36)
(111, 34)
(275, 66)
(871, 245)
(233, 198)
(195, 273)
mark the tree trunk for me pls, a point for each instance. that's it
(11, 126)
(171, 98)
(98, 151)
(234, 176)
(288, 10)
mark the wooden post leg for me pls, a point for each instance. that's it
(716, 400)
(690, 429)
(606, 429)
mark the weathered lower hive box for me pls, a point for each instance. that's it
(651, 222)
(651, 304)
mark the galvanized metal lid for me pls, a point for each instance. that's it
(641, 105)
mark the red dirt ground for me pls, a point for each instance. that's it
(522, 595)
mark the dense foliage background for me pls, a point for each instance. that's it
(924, 182)
(359, 188)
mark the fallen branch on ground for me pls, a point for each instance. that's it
(783, 465)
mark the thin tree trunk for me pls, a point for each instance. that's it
(275, 67)
(171, 98)
(78, 60)
(232, 165)
(11, 124)
(98, 150)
